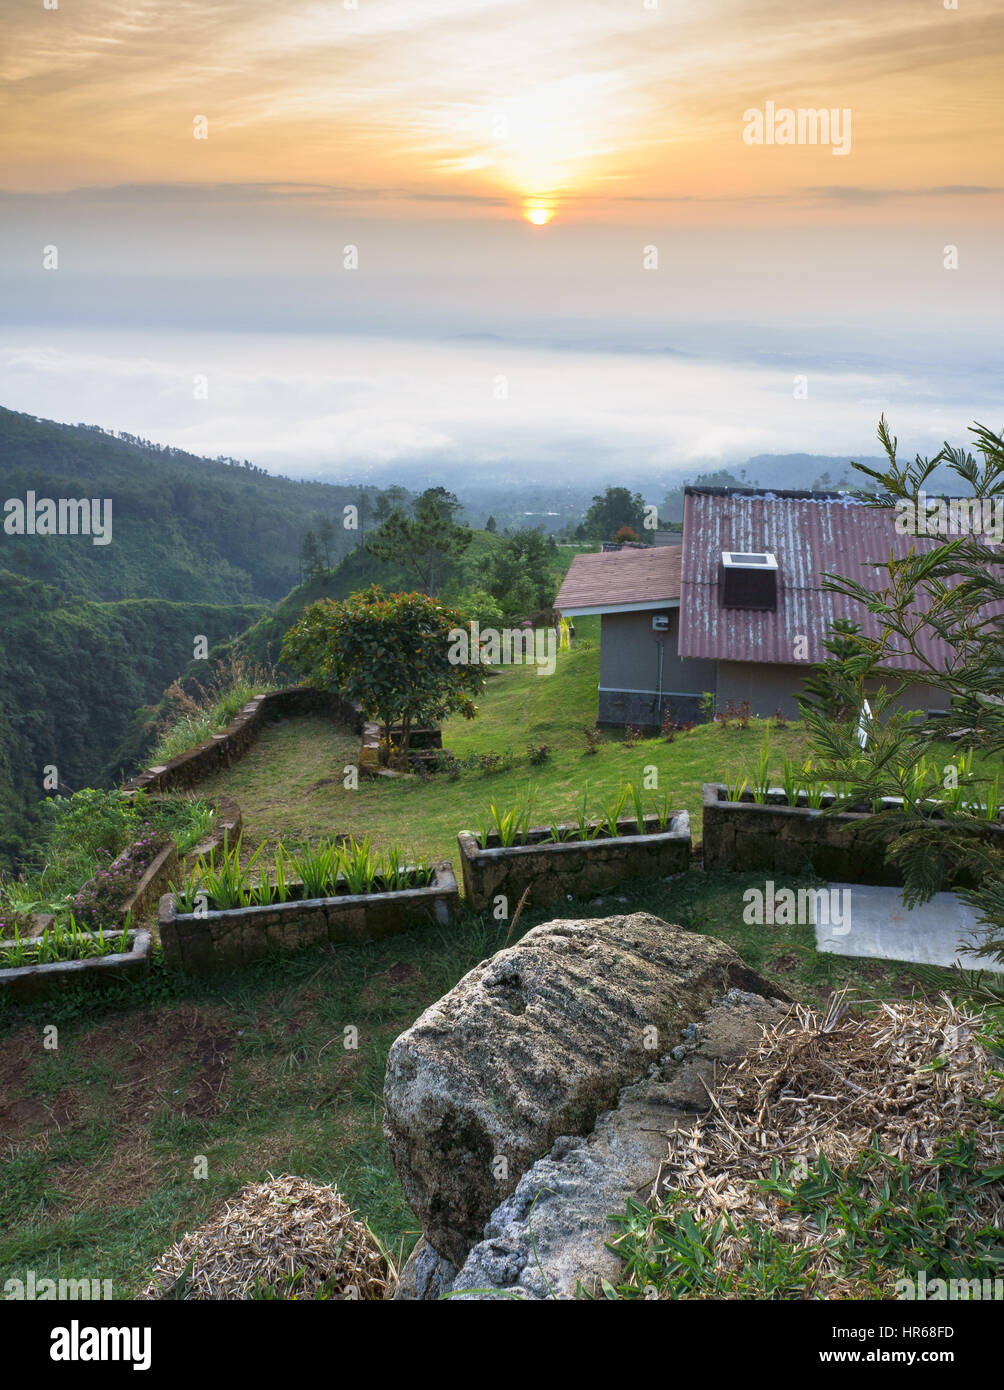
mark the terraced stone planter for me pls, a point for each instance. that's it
(743, 835)
(221, 750)
(223, 939)
(125, 892)
(553, 870)
(29, 982)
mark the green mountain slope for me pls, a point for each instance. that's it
(357, 571)
(72, 672)
(183, 528)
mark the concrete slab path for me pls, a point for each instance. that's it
(878, 925)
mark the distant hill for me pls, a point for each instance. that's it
(819, 472)
(184, 528)
(72, 672)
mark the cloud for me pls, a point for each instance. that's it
(351, 406)
(474, 105)
(849, 193)
(217, 194)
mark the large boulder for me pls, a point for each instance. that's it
(551, 1236)
(534, 1044)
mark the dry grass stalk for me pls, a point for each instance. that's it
(908, 1075)
(266, 1235)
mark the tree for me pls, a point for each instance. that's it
(478, 604)
(671, 510)
(393, 498)
(819, 692)
(366, 509)
(311, 557)
(947, 819)
(391, 654)
(519, 574)
(616, 508)
(326, 539)
(625, 533)
(491, 526)
(424, 543)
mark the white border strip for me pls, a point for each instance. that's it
(645, 607)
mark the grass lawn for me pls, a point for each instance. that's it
(289, 785)
(101, 1136)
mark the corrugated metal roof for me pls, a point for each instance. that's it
(611, 579)
(810, 534)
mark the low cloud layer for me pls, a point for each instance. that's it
(364, 407)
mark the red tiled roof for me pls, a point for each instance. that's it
(607, 580)
(809, 535)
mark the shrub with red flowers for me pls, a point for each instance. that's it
(390, 652)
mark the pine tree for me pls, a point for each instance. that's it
(947, 824)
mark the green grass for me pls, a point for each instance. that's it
(249, 1069)
(230, 879)
(60, 943)
(84, 832)
(192, 728)
(290, 784)
(877, 1223)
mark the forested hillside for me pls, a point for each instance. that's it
(184, 528)
(72, 672)
(464, 577)
(92, 635)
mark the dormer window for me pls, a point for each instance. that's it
(748, 579)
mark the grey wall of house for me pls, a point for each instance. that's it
(629, 677)
(775, 687)
(629, 664)
(767, 688)
(923, 697)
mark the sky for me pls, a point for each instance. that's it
(345, 274)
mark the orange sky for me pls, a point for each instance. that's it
(423, 133)
(459, 108)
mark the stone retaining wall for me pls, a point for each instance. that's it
(553, 870)
(422, 741)
(219, 751)
(158, 874)
(29, 982)
(164, 868)
(227, 825)
(742, 835)
(222, 940)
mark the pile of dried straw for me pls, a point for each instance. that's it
(287, 1235)
(909, 1074)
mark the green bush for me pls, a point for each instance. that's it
(89, 822)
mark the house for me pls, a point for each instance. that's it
(738, 608)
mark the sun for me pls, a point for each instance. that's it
(539, 216)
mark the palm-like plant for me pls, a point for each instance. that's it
(943, 596)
